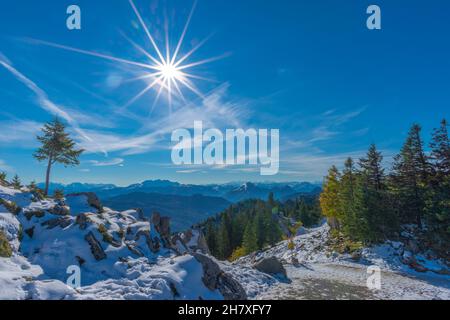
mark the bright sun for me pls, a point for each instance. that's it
(168, 73)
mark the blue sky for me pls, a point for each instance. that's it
(309, 68)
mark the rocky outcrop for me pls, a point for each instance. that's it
(30, 231)
(194, 239)
(270, 265)
(92, 199)
(60, 210)
(215, 279)
(61, 222)
(11, 206)
(153, 244)
(34, 213)
(96, 248)
(162, 226)
(82, 221)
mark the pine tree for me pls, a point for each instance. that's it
(372, 169)
(271, 227)
(410, 177)
(440, 150)
(347, 198)
(56, 147)
(271, 200)
(437, 207)
(16, 183)
(260, 230)
(329, 198)
(250, 240)
(224, 248)
(3, 176)
(210, 236)
(303, 215)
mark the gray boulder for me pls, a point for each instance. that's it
(216, 279)
(270, 265)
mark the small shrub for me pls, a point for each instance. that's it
(104, 232)
(5, 247)
(11, 206)
(58, 194)
(237, 253)
(16, 183)
(291, 245)
(2, 178)
(294, 228)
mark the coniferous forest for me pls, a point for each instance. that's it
(251, 225)
(368, 202)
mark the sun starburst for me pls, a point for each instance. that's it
(167, 73)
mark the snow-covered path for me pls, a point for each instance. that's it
(337, 281)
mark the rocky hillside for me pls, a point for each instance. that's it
(121, 255)
(124, 255)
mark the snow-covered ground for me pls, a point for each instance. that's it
(320, 273)
(132, 259)
(122, 255)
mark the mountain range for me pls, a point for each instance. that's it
(186, 204)
(233, 192)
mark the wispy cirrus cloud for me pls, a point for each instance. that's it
(18, 131)
(5, 167)
(44, 101)
(214, 110)
(151, 134)
(107, 163)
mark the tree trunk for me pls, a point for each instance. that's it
(47, 175)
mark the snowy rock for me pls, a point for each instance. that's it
(60, 210)
(96, 247)
(61, 222)
(270, 265)
(162, 226)
(83, 201)
(194, 239)
(82, 221)
(214, 278)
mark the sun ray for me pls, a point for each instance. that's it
(95, 54)
(166, 31)
(143, 77)
(183, 34)
(191, 87)
(193, 76)
(167, 73)
(180, 93)
(146, 30)
(198, 63)
(156, 100)
(140, 49)
(192, 51)
(140, 94)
